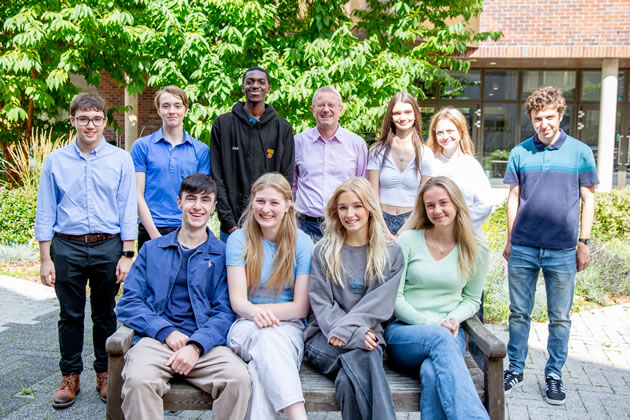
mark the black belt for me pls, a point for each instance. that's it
(306, 217)
(89, 238)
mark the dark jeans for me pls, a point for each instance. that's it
(75, 263)
(143, 235)
(361, 386)
(395, 222)
(312, 228)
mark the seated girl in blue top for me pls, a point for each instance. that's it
(268, 268)
(356, 271)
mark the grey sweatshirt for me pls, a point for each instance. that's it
(349, 312)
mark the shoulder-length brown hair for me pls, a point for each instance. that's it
(284, 257)
(467, 242)
(388, 131)
(456, 117)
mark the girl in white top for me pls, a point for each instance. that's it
(399, 163)
(450, 142)
(268, 270)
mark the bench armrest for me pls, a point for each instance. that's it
(118, 343)
(116, 346)
(488, 343)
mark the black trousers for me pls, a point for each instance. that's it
(76, 263)
(143, 235)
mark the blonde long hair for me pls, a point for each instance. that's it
(467, 242)
(388, 132)
(284, 258)
(335, 234)
(457, 118)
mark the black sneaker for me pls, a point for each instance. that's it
(511, 380)
(554, 390)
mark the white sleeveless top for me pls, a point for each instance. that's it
(400, 188)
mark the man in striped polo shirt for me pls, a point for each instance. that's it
(549, 174)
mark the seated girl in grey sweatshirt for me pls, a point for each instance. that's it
(355, 272)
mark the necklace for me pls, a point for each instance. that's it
(435, 245)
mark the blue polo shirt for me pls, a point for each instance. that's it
(165, 167)
(549, 178)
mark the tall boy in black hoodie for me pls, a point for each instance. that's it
(245, 144)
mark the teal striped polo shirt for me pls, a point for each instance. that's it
(549, 178)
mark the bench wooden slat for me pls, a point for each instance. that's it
(319, 390)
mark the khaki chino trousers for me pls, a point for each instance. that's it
(219, 372)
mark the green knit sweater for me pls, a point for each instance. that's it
(432, 291)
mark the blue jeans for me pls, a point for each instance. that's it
(559, 268)
(447, 388)
(311, 228)
(223, 236)
(394, 222)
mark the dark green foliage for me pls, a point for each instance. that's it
(205, 45)
(17, 216)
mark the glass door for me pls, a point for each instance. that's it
(621, 174)
(499, 133)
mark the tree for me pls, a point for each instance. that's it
(205, 45)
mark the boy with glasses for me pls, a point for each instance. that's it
(85, 225)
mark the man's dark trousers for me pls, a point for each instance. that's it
(75, 263)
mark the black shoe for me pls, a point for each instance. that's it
(554, 390)
(511, 380)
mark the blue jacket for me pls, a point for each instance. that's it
(150, 281)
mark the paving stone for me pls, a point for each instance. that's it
(596, 376)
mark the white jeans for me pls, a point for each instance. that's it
(273, 356)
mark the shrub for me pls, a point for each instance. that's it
(17, 216)
(607, 275)
(612, 214)
(495, 228)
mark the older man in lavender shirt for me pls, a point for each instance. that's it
(325, 156)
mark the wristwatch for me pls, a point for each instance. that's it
(128, 254)
(584, 241)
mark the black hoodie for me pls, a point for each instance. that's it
(241, 151)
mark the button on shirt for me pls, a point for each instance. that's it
(165, 167)
(79, 195)
(320, 166)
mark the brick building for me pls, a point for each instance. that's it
(580, 46)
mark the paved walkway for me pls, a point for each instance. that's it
(596, 376)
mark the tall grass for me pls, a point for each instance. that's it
(26, 160)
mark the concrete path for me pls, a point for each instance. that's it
(596, 376)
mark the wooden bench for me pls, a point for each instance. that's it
(319, 390)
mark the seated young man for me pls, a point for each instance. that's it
(176, 300)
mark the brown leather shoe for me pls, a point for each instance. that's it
(68, 389)
(101, 385)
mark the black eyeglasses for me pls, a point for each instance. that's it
(84, 121)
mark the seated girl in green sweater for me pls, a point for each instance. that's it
(356, 269)
(446, 266)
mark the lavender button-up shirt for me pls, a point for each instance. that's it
(320, 166)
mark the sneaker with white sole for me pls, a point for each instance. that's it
(554, 390)
(511, 380)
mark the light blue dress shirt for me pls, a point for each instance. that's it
(165, 167)
(79, 195)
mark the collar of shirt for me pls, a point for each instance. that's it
(159, 135)
(317, 135)
(211, 246)
(555, 146)
(94, 152)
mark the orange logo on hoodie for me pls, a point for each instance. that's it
(270, 153)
